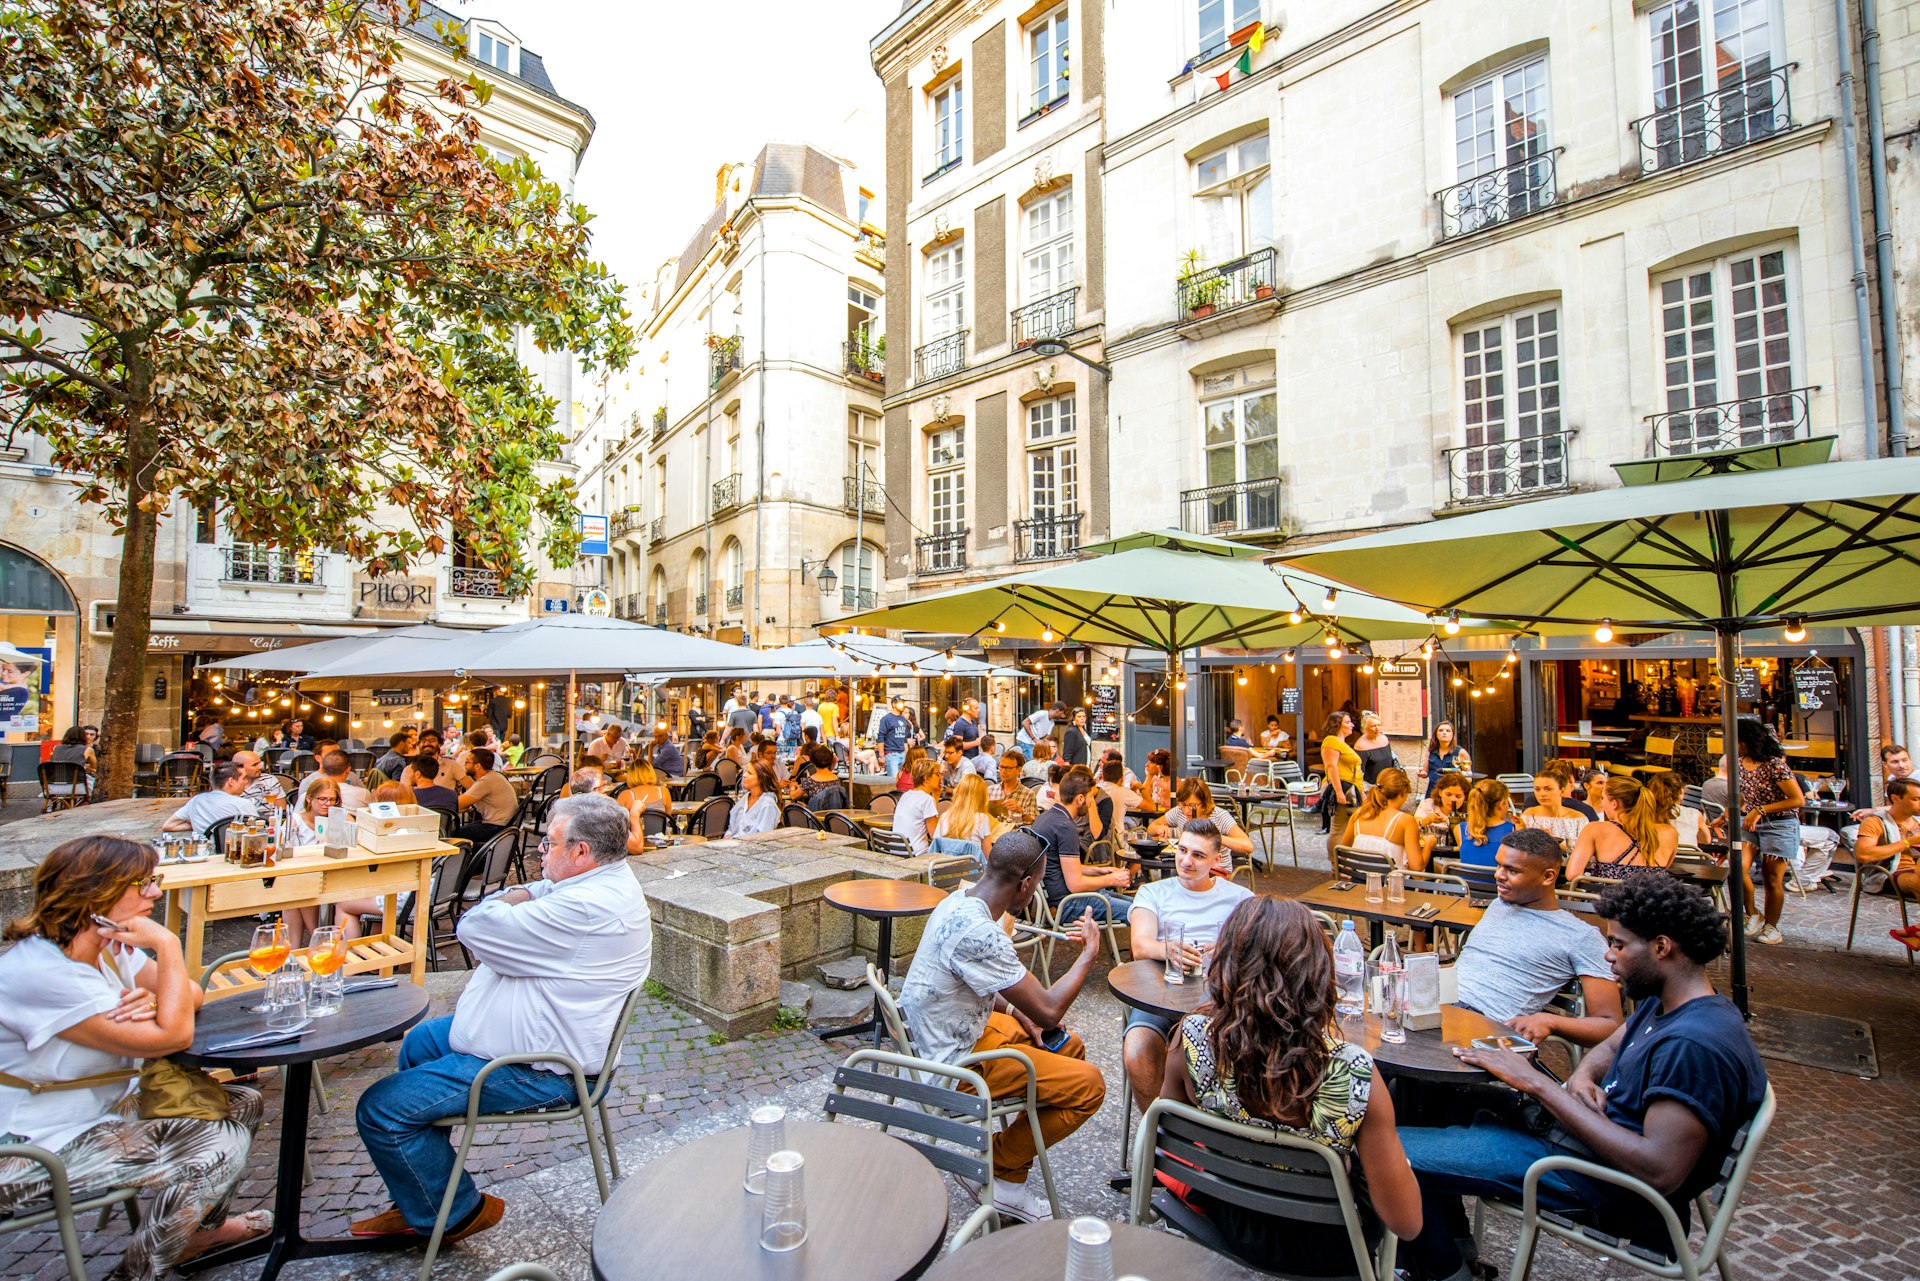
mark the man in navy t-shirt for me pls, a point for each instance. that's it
(892, 733)
(1661, 1099)
(963, 728)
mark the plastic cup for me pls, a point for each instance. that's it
(1373, 887)
(1174, 935)
(766, 1134)
(1396, 886)
(1089, 1250)
(783, 1219)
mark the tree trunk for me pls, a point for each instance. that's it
(133, 616)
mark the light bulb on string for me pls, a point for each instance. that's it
(1796, 630)
(1332, 601)
(328, 718)
(1452, 626)
(219, 702)
(1046, 634)
(1475, 692)
(1505, 675)
(251, 713)
(1458, 682)
(1069, 666)
(356, 722)
(1291, 656)
(999, 626)
(1293, 616)
(519, 704)
(1273, 668)
(1367, 667)
(1513, 655)
(1604, 632)
(306, 707)
(1335, 653)
(1426, 651)
(386, 722)
(1180, 684)
(286, 702)
(1088, 700)
(1242, 678)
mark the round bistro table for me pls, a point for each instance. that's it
(365, 1018)
(1427, 1055)
(1038, 1252)
(876, 1211)
(1143, 985)
(880, 901)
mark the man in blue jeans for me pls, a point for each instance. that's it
(1058, 830)
(892, 734)
(554, 961)
(1661, 1099)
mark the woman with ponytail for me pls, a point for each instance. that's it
(1631, 835)
(1379, 826)
(1489, 820)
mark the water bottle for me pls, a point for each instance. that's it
(1350, 972)
(1393, 992)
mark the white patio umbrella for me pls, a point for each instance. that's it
(306, 659)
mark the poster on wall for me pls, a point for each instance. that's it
(1401, 692)
(25, 678)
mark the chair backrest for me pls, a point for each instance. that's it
(148, 753)
(1354, 863)
(1478, 877)
(882, 840)
(949, 1120)
(1659, 746)
(1269, 1172)
(448, 881)
(182, 769)
(728, 771)
(301, 764)
(64, 778)
(890, 1016)
(1436, 883)
(654, 822)
(884, 803)
(711, 818)
(704, 784)
(359, 759)
(840, 825)
(449, 819)
(543, 760)
(1517, 782)
(842, 755)
(496, 860)
(1719, 1203)
(960, 860)
(288, 783)
(794, 814)
(611, 1064)
(551, 781)
(1236, 759)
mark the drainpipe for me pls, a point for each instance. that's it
(760, 436)
(1850, 159)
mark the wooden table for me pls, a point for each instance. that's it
(1038, 1252)
(365, 1018)
(876, 1211)
(868, 819)
(217, 890)
(881, 901)
(1428, 1055)
(1353, 902)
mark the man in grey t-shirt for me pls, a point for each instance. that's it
(1526, 949)
(967, 991)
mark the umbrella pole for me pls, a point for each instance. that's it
(1729, 740)
(573, 713)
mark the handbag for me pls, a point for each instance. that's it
(167, 1089)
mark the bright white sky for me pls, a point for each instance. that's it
(677, 90)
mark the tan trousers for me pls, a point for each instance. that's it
(1068, 1088)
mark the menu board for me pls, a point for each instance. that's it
(1813, 685)
(1290, 700)
(1103, 718)
(1402, 706)
(1746, 681)
(556, 709)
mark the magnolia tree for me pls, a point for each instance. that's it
(248, 263)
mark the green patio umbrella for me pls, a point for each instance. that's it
(1756, 542)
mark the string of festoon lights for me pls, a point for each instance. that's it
(283, 700)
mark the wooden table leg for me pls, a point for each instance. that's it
(196, 929)
(422, 911)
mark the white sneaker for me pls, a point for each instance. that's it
(1754, 925)
(1772, 934)
(1016, 1201)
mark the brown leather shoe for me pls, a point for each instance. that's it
(492, 1210)
(388, 1223)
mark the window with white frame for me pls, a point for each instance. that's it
(657, 595)
(1510, 407)
(1218, 20)
(948, 124)
(859, 567)
(1718, 79)
(697, 581)
(1728, 351)
(1048, 255)
(733, 560)
(1233, 201)
(1053, 480)
(1047, 50)
(863, 453)
(863, 313)
(947, 496)
(946, 291)
(495, 50)
(1501, 148)
(1242, 441)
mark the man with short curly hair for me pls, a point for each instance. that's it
(1660, 1100)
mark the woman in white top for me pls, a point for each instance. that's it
(758, 808)
(1380, 826)
(1550, 816)
(1273, 739)
(967, 819)
(83, 1000)
(303, 828)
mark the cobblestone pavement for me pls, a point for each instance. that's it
(1828, 1197)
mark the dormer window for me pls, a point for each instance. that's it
(497, 49)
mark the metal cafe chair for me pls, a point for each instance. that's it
(59, 1206)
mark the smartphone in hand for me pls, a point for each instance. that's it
(1054, 1039)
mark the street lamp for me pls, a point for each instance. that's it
(1055, 347)
(827, 579)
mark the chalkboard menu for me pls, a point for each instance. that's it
(1746, 680)
(1813, 685)
(1290, 701)
(1103, 718)
(556, 710)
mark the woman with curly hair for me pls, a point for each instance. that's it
(1266, 1052)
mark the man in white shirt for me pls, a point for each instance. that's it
(334, 765)
(227, 799)
(611, 747)
(554, 961)
(811, 718)
(1199, 902)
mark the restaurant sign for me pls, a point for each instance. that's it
(393, 597)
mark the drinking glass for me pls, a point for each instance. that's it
(1174, 935)
(1373, 887)
(286, 1000)
(1089, 1250)
(1396, 886)
(270, 949)
(783, 1219)
(326, 954)
(766, 1134)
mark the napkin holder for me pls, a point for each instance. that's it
(1423, 992)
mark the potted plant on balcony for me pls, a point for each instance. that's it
(871, 356)
(1201, 296)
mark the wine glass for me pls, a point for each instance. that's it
(270, 948)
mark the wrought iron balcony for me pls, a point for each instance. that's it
(1733, 424)
(1047, 537)
(867, 496)
(944, 355)
(1049, 317)
(1513, 191)
(1507, 469)
(635, 605)
(722, 361)
(251, 563)
(942, 553)
(726, 493)
(476, 583)
(657, 530)
(1239, 507)
(1247, 279)
(858, 598)
(660, 422)
(736, 597)
(1731, 116)
(867, 360)
(627, 522)
(659, 615)
(700, 603)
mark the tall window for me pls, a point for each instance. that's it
(947, 480)
(1727, 353)
(1510, 403)
(1714, 85)
(657, 596)
(697, 581)
(734, 560)
(946, 291)
(1049, 249)
(1243, 461)
(1053, 478)
(1047, 48)
(660, 489)
(493, 51)
(859, 565)
(863, 311)
(1500, 145)
(1233, 195)
(863, 455)
(1219, 19)
(948, 124)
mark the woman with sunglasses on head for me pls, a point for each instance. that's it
(84, 1000)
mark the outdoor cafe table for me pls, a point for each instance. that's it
(876, 1211)
(880, 901)
(1353, 902)
(1151, 856)
(868, 819)
(365, 1018)
(1038, 1252)
(683, 810)
(216, 890)
(1836, 810)
(1143, 985)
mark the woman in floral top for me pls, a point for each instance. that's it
(1269, 1055)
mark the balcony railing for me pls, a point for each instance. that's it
(1731, 116)
(1508, 469)
(858, 598)
(864, 496)
(660, 422)
(1514, 191)
(635, 605)
(659, 615)
(942, 553)
(1246, 279)
(1733, 424)
(700, 603)
(944, 355)
(722, 361)
(1239, 507)
(482, 584)
(657, 530)
(864, 360)
(726, 493)
(736, 597)
(248, 563)
(1049, 317)
(1047, 537)
(627, 523)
